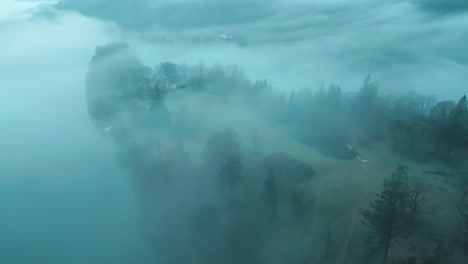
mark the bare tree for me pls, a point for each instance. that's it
(270, 192)
(417, 200)
(350, 235)
(464, 189)
(256, 138)
(300, 203)
(327, 249)
(460, 216)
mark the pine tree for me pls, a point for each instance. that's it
(368, 93)
(458, 120)
(270, 192)
(460, 113)
(385, 219)
(439, 120)
(465, 228)
(321, 95)
(231, 171)
(334, 97)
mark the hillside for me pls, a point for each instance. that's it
(233, 172)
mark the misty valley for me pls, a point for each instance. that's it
(233, 132)
(229, 171)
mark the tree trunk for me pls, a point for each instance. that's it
(412, 215)
(386, 249)
(388, 238)
(347, 250)
(327, 251)
(395, 144)
(449, 152)
(465, 193)
(437, 144)
(412, 142)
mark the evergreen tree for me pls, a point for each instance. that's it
(368, 94)
(458, 120)
(465, 227)
(231, 171)
(270, 192)
(321, 95)
(460, 112)
(334, 98)
(439, 121)
(385, 217)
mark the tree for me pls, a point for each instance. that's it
(231, 171)
(384, 219)
(457, 123)
(426, 104)
(327, 248)
(368, 95)
(464, 189)
(221, 146)
(460, 113)
(465, 227)
(398, 129)
(157, 93)
(157, 85)
(350, 234)
(300, 203)
(170, 70)
(439, 119)
(256, 137)
(258, 91)
(292, 104)
(410, 260)
(115, 78)
(270, 192)
(320, 96)
(440, 255)
(417, 200)
(197, 77)
(334, 98)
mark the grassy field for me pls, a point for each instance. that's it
(340, 189)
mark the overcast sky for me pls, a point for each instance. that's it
(416, 44)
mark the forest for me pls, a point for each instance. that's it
(230, 170)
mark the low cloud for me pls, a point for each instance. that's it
(65, 196)
(442, 7)
(335, 41)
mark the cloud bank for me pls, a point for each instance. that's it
(405, 44)
(63, 197)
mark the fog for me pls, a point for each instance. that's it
(331, 41)
(204, 131)
(63, 197)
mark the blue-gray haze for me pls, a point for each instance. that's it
(64, 196)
